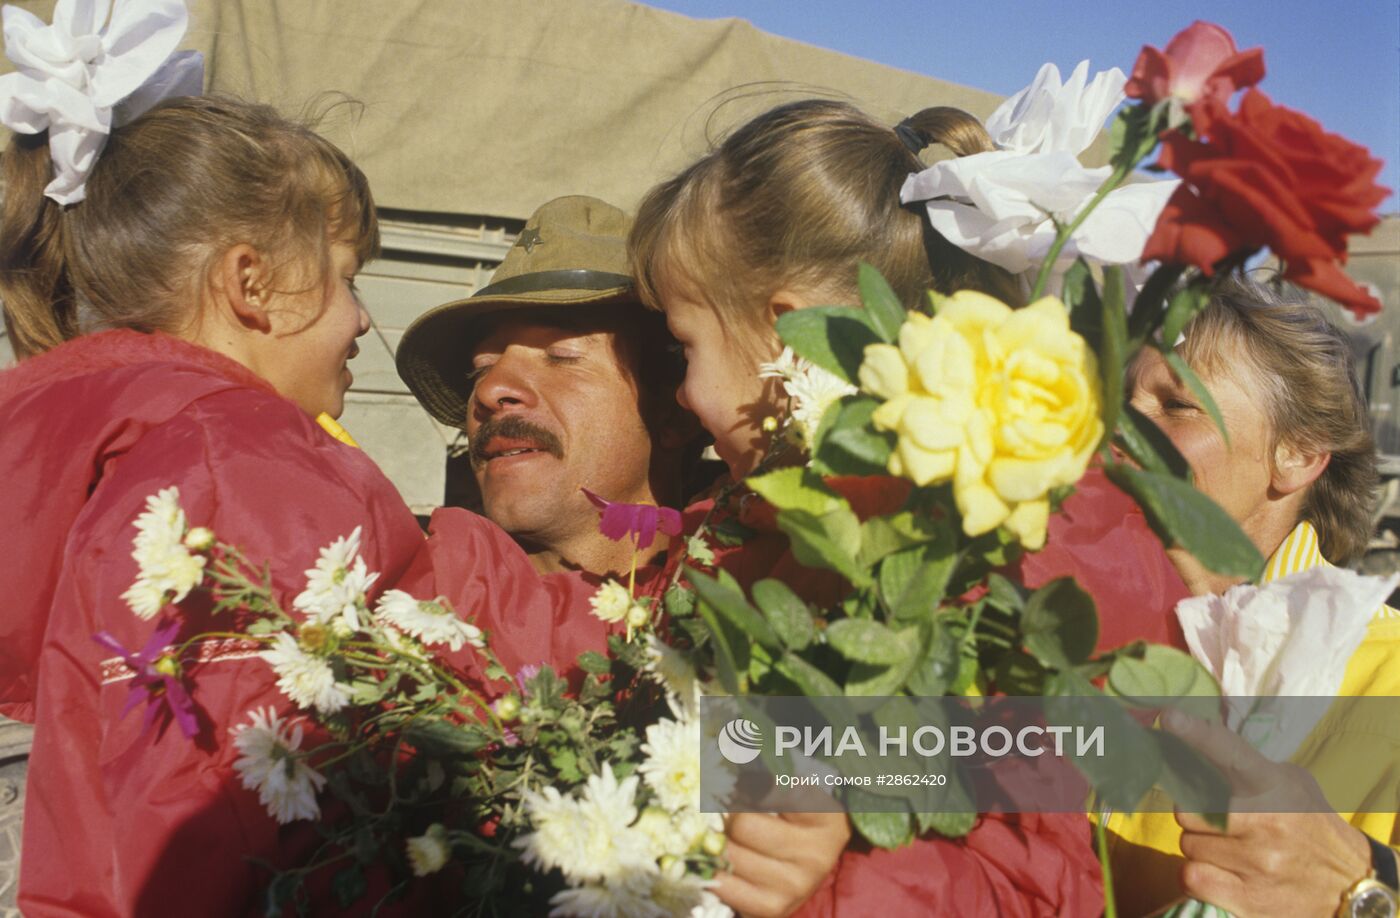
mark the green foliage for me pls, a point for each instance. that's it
(1081, 298)
(797, 489)
(847, 443)
(886, 311)
(1193, 382)
(939, 663)
(1060, 627)
(730, 532)
(829, 541)
(1161, 672)
(1183, 306)
(1129, 765)
(1150, 305)
(924, 591)
(1133, 135)
(832, 337)
(678, 602)
(884, 830)
(725, 597)
(1181, 515)
(812, 680)
(1193, 782)
(1113, 345)
(593, 662)
(865, 641)
(786, 613)
(348, 885)
(1149, 447)
(951, 824)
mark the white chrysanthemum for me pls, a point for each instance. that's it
(612, 602)
(669, 667)
(676, 891)
(336, 586)
(163, 519)
(629, 897)
(303, 677)
(609, 808)
(590, 838)
(170, 566)
(557, 841)
(429, 852)
(672, 765)
(711, 907)
(664, 832)
(432, 622)
(811, 390)
(267, 763)
(144, 598)
(693, 825)
(167, 569)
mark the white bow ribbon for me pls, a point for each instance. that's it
(86, 73)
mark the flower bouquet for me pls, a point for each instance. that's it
(543, 793)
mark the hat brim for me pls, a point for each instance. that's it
(432, 355)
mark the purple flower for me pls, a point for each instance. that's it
(157, 679)
(638, 520)
(525, 674)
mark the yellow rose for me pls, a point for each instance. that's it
(1003, 402)
(928, 387)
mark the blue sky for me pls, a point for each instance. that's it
(1337, 61)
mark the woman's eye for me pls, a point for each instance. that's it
(1177, 404)
(557, 357)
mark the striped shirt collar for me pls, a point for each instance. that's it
(1300, 551)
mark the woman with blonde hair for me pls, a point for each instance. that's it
(1298, 473)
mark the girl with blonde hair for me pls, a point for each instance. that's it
(778, 217)
(180, 289)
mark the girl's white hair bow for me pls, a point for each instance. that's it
(99, 65)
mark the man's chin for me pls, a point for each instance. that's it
(524, 496)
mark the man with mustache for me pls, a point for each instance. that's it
(562, 381)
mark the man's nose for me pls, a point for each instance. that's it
(682, 400)
(506, 384)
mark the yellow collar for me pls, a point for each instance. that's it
(1299, 551)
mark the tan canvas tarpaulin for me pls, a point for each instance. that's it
(492, 106)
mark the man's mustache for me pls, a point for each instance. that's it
(511, 427)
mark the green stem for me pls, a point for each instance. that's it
(1110, 907)
(1042, 279)
(209, 635)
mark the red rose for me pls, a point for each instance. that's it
(1201, 62)
(1269, 176)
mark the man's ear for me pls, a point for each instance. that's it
(1295, 469)
(241, 279)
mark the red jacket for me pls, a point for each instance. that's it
(116, 822)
